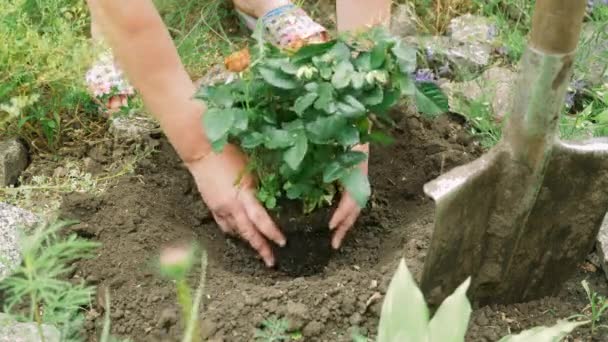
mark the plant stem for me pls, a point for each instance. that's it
(192, 331)
(184, 297)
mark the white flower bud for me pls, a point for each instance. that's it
(306, 72)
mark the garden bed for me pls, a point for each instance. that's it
(160, 204)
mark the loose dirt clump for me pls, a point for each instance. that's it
(160, 205)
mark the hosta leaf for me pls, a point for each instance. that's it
(252, 140)
(342, 75)
(277, 138)
(406, 57)
(333, 171)
(325, 128)
(348, 136)
(278, 78)
(373, 97)
(311, 50)
(430, 100)
(217, 123)
(357, 185)
(295, 154)
(405, 315)
(378, 55)
(304, 102)
(545, 334)
(350, 107)
(450, 322)
(352, 158)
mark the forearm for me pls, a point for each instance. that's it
(357, 14)
(144, 49)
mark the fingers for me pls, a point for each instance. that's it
(258, 215)
(343, 219)
(248, 232)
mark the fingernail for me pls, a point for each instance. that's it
(282, 243)
(269, 263)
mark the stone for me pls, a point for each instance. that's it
(467, 57)
(13, 331)
(601, 246)
(470, 28)
(11, 221)
(404, 20)
(493, 85)
(133, 128)
(13, 160)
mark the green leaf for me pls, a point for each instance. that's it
(342, 76)
(388, 101)
(406, 57)
(405, 315)
(277, 138)
(358, 80)
(333, 172)
(218, 144)
(311, 87)
(373, 97)
(350, 107)
(357, 185)
(278, 78)
(324, 128)
(364, 62)
(218, 95)
(450, 322)
(544, 334)
(430, 100)
(252, 140)
(348, 136)
(271, 202)
(241, 119)
(295, 154)
(352, 158)
(312, 50)
(378, 55)
(304, 102)
(217, 123)
(380, 138)
(326, 97)
(406, 84)
(341, 52)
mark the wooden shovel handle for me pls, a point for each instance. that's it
(556, 25)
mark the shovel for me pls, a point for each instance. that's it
(520, 218)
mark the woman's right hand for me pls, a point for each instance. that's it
(235, 206)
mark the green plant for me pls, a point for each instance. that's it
(596, 308)
(298, 115)
(38, 290)
(273, 329)
(405, 316)
(176, 263)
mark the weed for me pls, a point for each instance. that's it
(38, 290)
(273, 329)
(595, 309)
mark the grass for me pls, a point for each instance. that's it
(595, 310)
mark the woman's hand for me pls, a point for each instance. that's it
(348, 210)
(235, 206)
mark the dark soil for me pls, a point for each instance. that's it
(160, 205)
(309, 239)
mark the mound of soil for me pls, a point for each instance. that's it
(159, 205)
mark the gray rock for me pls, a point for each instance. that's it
(11, 220)
(493, 86)
(404, 20)
(470, 28)
(467, 57)
(591, 63)
(12, 331)
(133, 128)
(13, 160)
(601, 246)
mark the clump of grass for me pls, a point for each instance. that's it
(594, 311)
(273, 329)
(435, 15)
(38, 291)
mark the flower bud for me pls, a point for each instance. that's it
(176, 261)
(306, 72)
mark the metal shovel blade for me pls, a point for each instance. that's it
(518, 219)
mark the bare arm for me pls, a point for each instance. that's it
(356, 14)
(141, 42)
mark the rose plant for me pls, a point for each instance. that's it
(298, 114)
